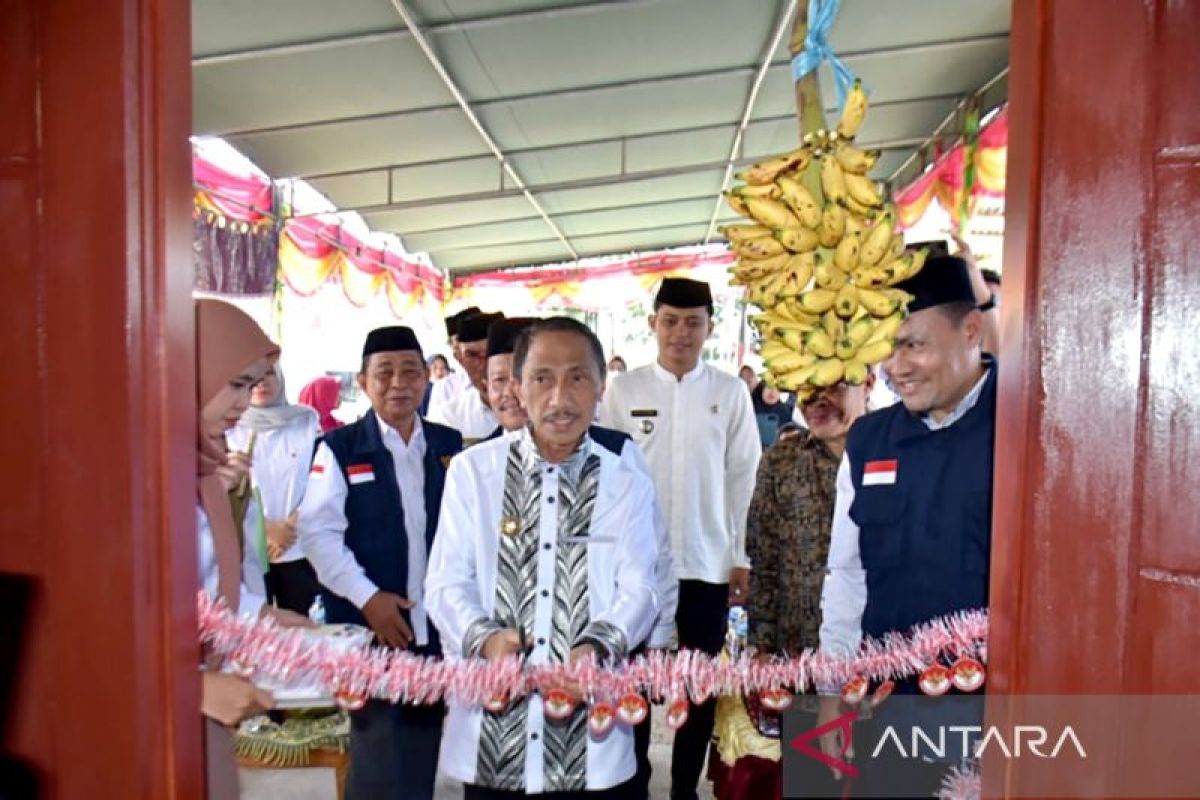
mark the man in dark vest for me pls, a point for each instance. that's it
(367, 524)
(912, 521)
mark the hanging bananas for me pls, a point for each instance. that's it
(821, 255)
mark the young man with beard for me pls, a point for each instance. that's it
(695, 425)
(366, 523)
(541, 549)
(469, 413)
(911, 530)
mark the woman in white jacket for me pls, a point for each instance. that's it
(279, 438)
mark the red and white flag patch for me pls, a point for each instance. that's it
(880, 473)
(360, 473)
(317, 469)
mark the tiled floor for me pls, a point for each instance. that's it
(317, 784)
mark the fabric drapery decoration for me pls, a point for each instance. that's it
(944, 182)
(233, 258)
(312, 252)
(571, 286)
(246, 198)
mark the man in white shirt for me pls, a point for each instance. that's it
(911, 530)
(469, 413)
(367, 522)
(541, 549)
(443, 392)
(695, 425)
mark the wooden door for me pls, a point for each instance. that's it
(1096, 557)
(97, 485)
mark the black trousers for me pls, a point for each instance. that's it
(700, 621)
(394, 751)
(292, 585)
(621, 792)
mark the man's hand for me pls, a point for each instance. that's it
(831, 742)
(581, 652)
(501, 644)
(383, 615)
(286, 618)
(281, 535)
(739, 586)
(229, 699)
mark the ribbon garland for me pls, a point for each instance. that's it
(291, 655)
(821, 14)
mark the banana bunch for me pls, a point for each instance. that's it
(820, 255)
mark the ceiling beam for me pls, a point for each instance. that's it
(397, 34)
(452, 87)
(785, 21)
(583, 91)
(586, 183)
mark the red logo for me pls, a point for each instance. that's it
(802, 743)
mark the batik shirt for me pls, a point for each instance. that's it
(557, 551)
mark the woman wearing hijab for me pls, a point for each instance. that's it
(280, 438)
(323, 394)
(232, 354)
(770, 411)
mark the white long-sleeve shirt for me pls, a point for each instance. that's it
(466, 569)
(323, 524)
(466, 414)
(253, 592)
(445, 391)
(701, 442)
(279, 470)
(844, 595)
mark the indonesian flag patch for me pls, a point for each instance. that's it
(360, 473)
(317, 469)
(880, 473)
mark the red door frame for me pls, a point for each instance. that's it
(97, 487)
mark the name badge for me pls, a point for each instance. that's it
(880, 473)
(360, 473)
(643, 412)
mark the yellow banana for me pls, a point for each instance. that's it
(845, 257)
(854, 207)
(770, 292)
(819, 343)
(833, 225)
(771, 213)
(753, 190)
(767, 170)
(763, 266)
(793, 339)
(772, 349)
(873, 277)
(853, 112)
(877, 243)
(832, 324)
(874, 352)
(789, 362)
(798, 239)
(901, 297)
(855, 223)
(909, 266)
(802, 265)
(800, 200)
(797, 312)
(760, 247)
(793, 381)
(737, 204)
(828, 372)
(887, 328)
(833, 180)
(854, 160)
(855, 372)
(877, 303)
(817, 301)
(740, 233)
(845, 348)
(863, 189)
(846, 302)
(829, 276)
(861, 329)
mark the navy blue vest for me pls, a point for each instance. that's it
(375, 531)
(925, 539)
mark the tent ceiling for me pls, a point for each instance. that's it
(618, 115)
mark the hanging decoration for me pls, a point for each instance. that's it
(945, 181)
(260, 648)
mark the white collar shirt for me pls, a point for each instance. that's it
(468, 415)
(701, 442)
(445, 392)
(464, 571)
